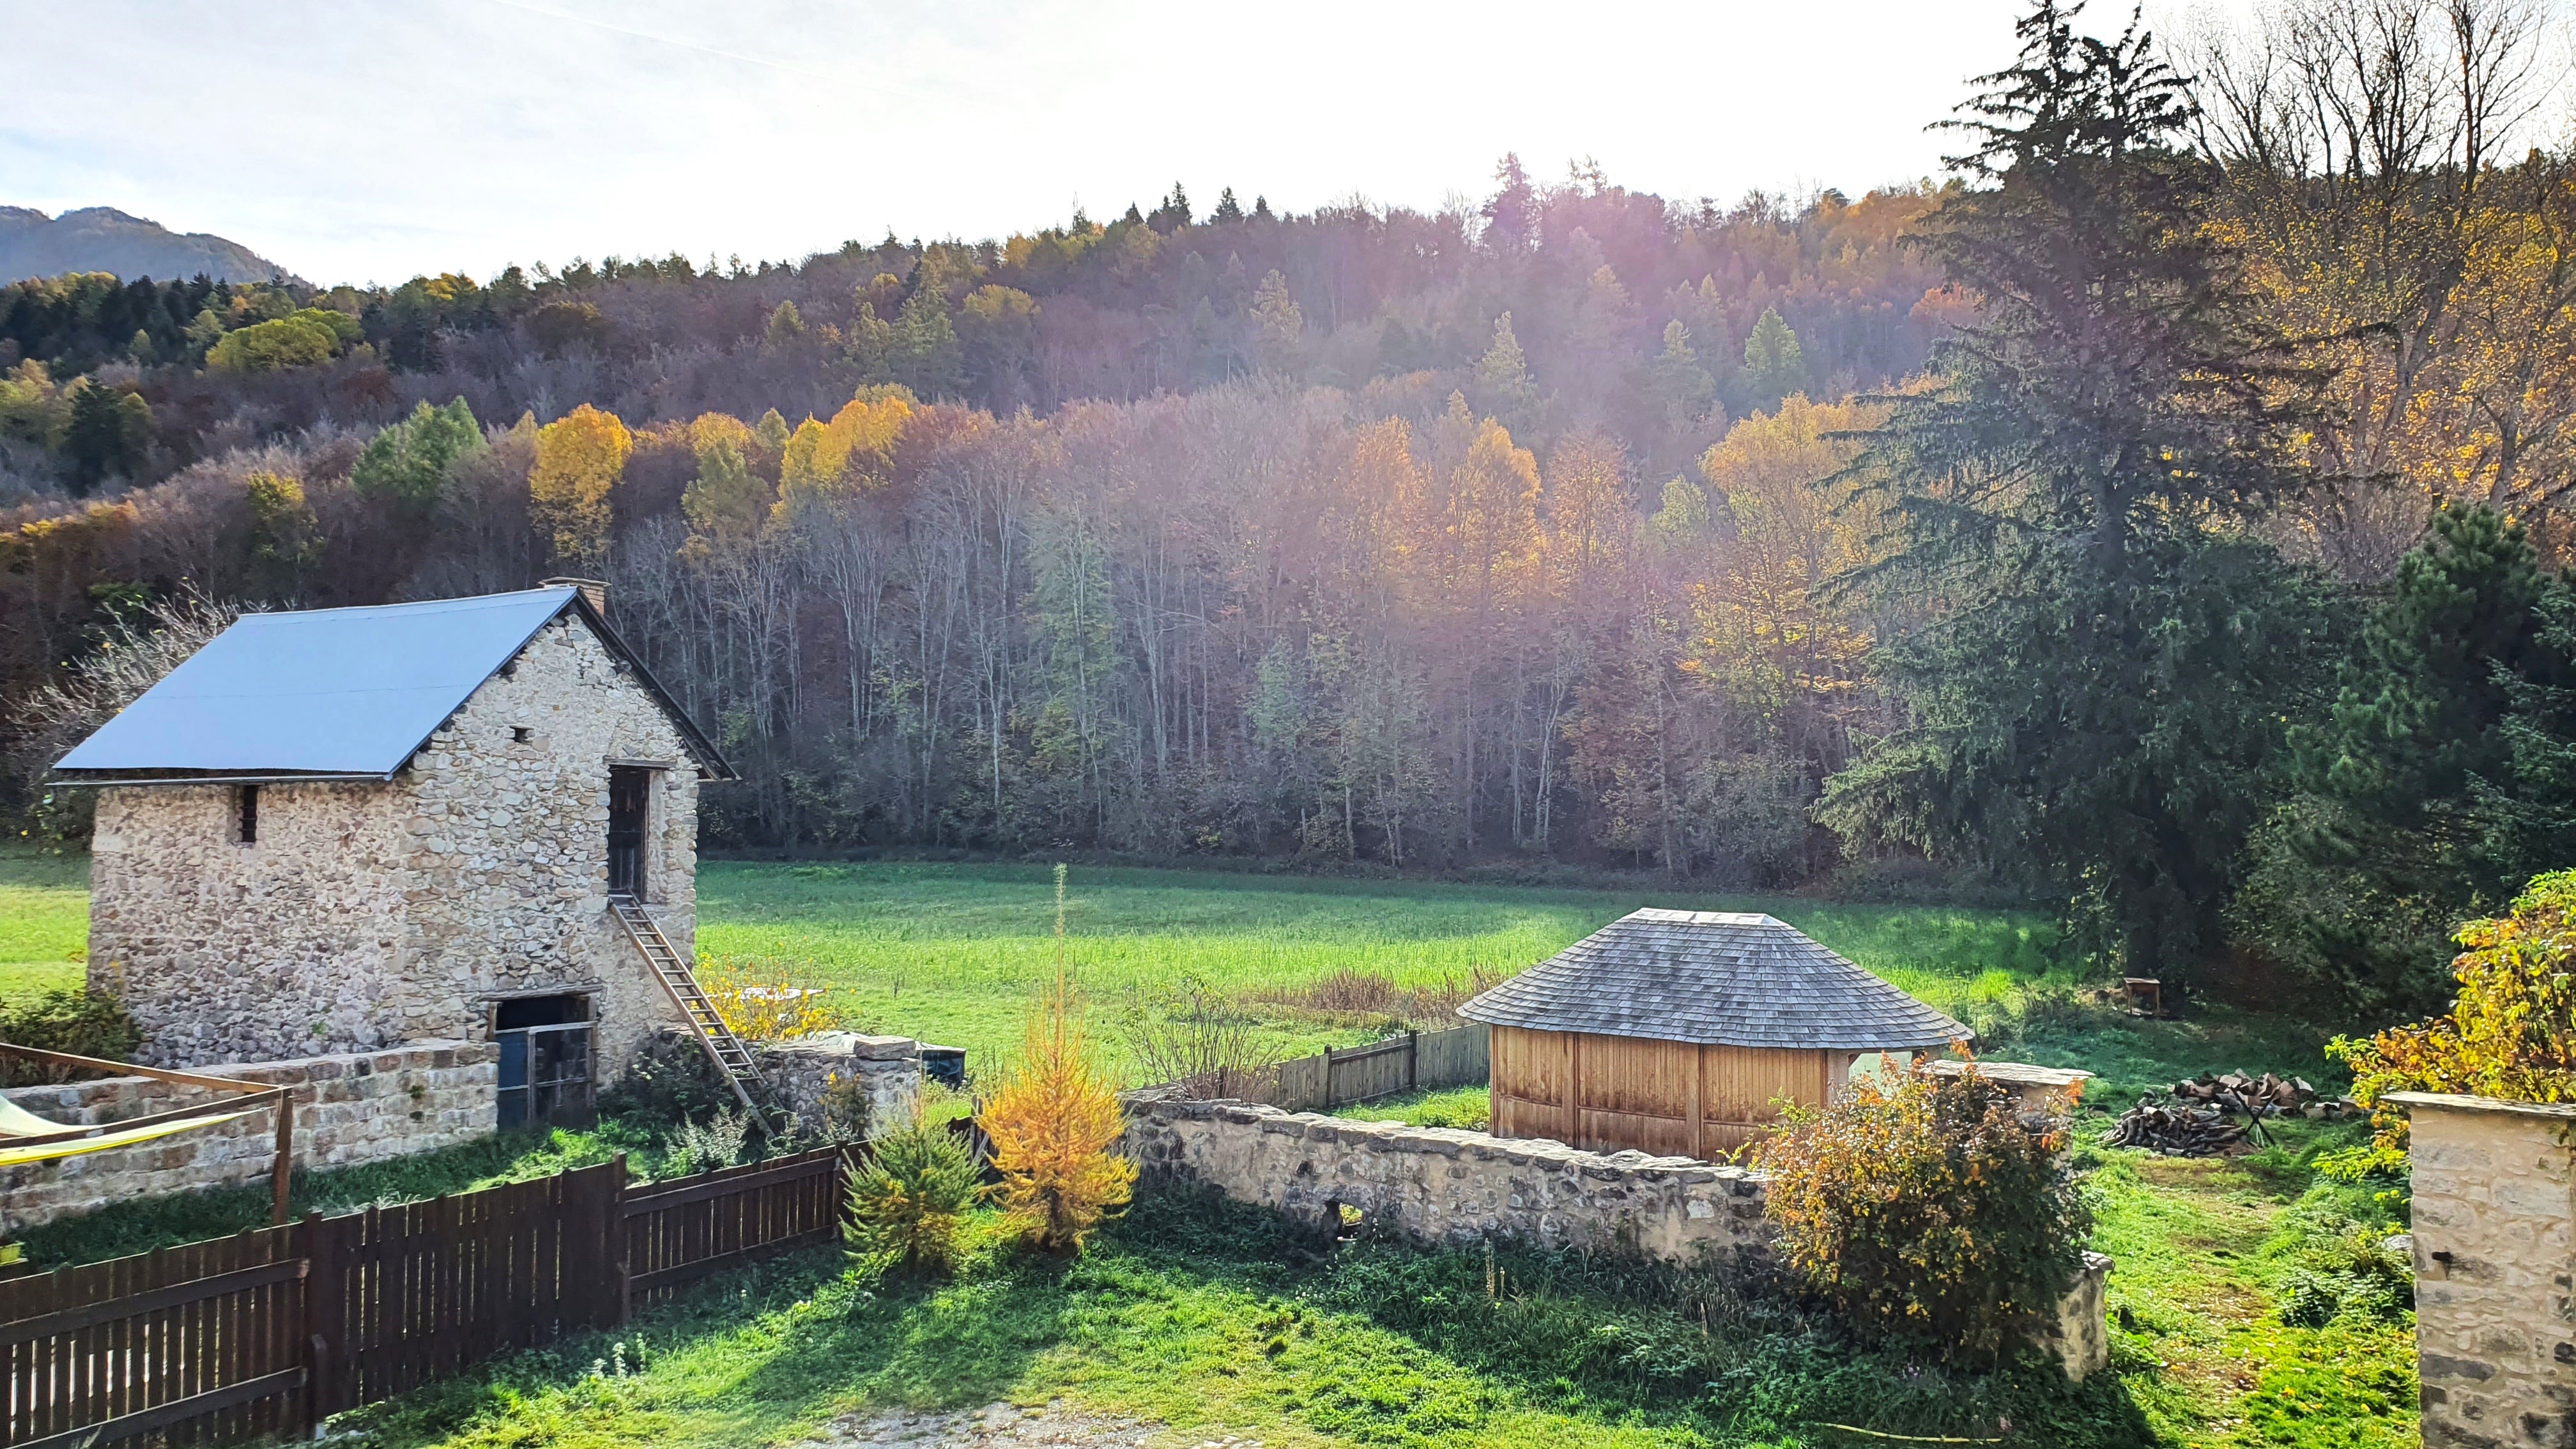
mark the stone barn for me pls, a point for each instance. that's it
(1676, 1032)
(343, 829)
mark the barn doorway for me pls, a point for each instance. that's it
(545, 1076)
(630, 798)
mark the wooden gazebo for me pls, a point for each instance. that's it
(1676, 1032)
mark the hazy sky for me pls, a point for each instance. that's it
(359, 141)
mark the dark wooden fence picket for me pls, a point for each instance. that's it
(268, 1332)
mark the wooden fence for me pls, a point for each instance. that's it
(1415, 1061)
(270, 1331)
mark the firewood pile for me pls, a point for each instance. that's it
(2209, 1114)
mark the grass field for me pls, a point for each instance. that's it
(954, 953)
(44, 921)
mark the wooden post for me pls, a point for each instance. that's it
(1574, 1089)
(622, 1284)
(1698, 1108)
(282, 1174)
(321, 1284)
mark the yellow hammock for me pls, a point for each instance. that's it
(16, 1121)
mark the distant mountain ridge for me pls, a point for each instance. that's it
(103, 239)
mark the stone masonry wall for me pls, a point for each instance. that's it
(232, 952)
(356, 1108)
(843, 1083)
(507, 875)
(2495, 1329)
(1438, 1185)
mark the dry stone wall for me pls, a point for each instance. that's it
(354, 1108)
(844, 1083)
(370, 914)
(225, 951)
(1438, 1185)
(2495, 1329)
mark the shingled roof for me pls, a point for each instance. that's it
(1716, 977)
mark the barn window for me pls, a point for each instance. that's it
(246, 816)
(521, 734)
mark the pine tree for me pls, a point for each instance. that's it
(1281, 327)
(1679, 382)
(1503, 384)
(1227, 209)
(1511, 213)
(2402, 820)
(2110, 654)
(1773, 365)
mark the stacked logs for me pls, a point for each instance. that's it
(2201, 1120)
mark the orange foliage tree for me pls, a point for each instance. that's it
(1055, 1120)
(2510, 1034)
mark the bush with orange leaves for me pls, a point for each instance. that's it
(1054, 1121)
(1930, 1210)
(2510, 1034)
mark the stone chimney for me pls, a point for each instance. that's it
(594, 590)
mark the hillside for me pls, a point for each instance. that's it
(103, 239)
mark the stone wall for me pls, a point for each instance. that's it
(2495, 1331)
(355, 1108)
(507, 877)
(232, 952)
(843, 1083)
(370, 914)
(1438, 1185)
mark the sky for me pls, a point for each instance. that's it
(358, 141)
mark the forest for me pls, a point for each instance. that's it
(2162, 517)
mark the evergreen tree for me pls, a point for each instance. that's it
(1511, 214)
(409, 461)
(1773, 365)
(1227, 209)
(1281, 325)
(2393, 835)
(926, 355)
(1503, 384)
(108, 435)
(2110, 653)
(1261, 209)
(1683, 386)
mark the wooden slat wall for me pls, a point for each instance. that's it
(108, 1341)
(268, 1330)
(1606, 1093)
(676, 1233)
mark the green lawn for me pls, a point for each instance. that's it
(954, 953)
(44, 921)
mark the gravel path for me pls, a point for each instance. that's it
(998, 1426)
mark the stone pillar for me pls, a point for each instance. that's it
(844, 1083)
(2079, 1337)
(2495, 1332)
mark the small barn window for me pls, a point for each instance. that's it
(521, 734)
(246, 816)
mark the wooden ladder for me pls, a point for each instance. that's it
(732, 1058)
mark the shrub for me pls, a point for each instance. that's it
(668, 1081)
(2510, 1034)
(1055, 1119)
(762, 1002)
(908, 1201)
(1929, 1211)
(1201, 1042)
(65, 1019)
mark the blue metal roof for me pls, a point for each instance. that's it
(329, 691)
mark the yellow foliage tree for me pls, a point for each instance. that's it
(580, 457)
(727, 501)
(1054, 1121)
